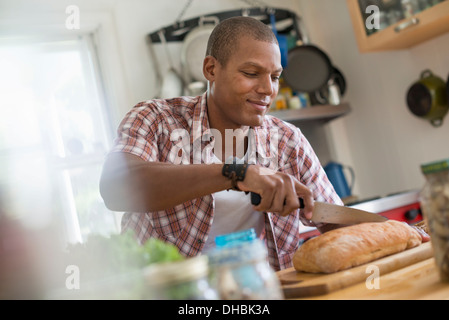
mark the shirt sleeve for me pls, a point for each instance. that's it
(306, 166)
(138, 133)
(313, 175)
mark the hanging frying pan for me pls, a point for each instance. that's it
(308, 68)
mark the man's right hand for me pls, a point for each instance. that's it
(279, 191)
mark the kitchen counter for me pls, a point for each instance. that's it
(417, 281)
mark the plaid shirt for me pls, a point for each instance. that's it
(177, 131)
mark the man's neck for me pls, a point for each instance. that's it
(231, 139)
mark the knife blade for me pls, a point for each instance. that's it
(333, 213)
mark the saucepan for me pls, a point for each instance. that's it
(447, 89)
(427, 98)
(333, 91)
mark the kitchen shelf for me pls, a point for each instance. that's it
(405, 33)
(288, 20)
(318, 113)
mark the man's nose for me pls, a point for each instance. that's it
(266, 86)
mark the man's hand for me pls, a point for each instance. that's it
(279, 191)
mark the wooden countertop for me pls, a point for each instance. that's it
(419, 281)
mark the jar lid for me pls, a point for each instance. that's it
(235, 238)
(437, 166)
(245, 252)
(159, 274)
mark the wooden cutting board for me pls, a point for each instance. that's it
(302, 284)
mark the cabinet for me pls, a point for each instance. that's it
(401, 23)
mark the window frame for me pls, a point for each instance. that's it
(99, 29)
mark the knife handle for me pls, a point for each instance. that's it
(255, 200)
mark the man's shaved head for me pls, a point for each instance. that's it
(226, 35)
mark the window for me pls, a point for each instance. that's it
(54, 132)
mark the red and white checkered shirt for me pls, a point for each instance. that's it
(177, 131)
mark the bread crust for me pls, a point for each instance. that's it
(351, 246)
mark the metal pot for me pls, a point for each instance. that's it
(447, 89)
(333, 91)
(428, 98)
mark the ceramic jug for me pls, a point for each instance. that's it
(336, 174)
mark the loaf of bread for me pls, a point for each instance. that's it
(354, 245)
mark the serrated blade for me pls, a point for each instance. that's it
(332, 213)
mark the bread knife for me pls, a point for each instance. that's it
(332, 213)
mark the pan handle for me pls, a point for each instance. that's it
(301, 29)
(164, 43)
(213, 19)
(256, 198)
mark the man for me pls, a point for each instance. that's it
(179, 166)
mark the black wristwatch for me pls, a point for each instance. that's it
(235, 169)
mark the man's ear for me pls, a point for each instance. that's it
(209, 66)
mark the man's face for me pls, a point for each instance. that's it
(242, 91)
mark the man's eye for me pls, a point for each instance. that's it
(250, 74)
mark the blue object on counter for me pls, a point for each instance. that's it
(336, 175)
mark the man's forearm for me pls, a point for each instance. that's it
(131, 184)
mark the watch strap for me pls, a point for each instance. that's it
(235, 171)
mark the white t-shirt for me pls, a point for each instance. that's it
(233, 212)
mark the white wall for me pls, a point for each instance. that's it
(132, 21)
(137, 18)
(381, 139)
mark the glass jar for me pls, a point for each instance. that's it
(435, 207)
(180, 280)
(240, 269)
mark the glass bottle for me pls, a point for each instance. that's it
(410, 7)
(240, 269)
(435, 207)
